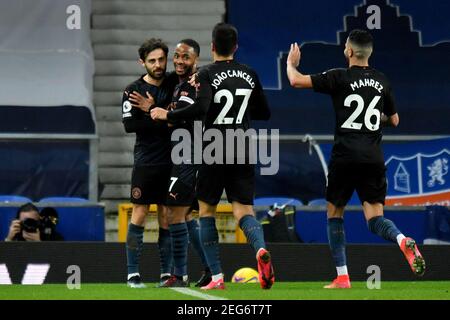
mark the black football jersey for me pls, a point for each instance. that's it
(235, 93)
(152, 145)
(183, 96)
(360, 95)
(229, 96)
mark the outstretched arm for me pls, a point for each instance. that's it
(296, 79)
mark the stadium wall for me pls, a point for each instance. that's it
(106, 262)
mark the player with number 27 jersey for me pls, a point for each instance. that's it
(235, 93)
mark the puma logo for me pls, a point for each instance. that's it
(173, 195)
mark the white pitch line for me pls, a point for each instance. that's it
(197, 294)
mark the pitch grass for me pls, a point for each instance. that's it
(423, 290)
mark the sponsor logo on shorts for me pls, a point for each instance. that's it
(173, 195)
(136, 193)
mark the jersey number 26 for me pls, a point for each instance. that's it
(350, 123)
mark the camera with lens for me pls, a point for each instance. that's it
(30, 225)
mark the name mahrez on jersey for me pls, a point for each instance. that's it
(366, 83)
(219, 77)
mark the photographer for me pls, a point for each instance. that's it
(26, 225)
(30, 225)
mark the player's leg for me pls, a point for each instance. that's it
(140, 198)
(135, 237)
(254, 233)
(240, 186)
(339, 190)
(210, 185)
(194, 239)
(180, 196)
(209, 237)
(372, 192)
(180, 241)
(159, 183)
(336, 240)
(164, 244)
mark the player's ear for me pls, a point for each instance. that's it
(350, 52)
(142, 63)
(235, 48)
(213, 47)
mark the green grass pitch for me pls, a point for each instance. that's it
(421, 290)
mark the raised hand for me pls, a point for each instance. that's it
(193, 81)
(294, 55)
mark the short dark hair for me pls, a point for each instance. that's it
(27, 207)
(193, 44)
(361, 38)
(150, 45)
(224, 38)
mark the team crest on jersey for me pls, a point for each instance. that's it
(136, 193)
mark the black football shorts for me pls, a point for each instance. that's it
(181, 191)
(368, 179)
(149, 184)
(238, 181)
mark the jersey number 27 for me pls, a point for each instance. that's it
(221, 118)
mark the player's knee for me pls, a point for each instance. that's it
(206, 210)
(334, 211)
(139, 213)
(177, 214)
(240, 210)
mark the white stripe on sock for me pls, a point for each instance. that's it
(217, 277)
(342, 271)
(400, 237)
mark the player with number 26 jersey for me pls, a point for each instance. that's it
(363, 103)
(360, 95)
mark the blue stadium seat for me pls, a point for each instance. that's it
(317, 202)
(13, 198)
(269, 201)
(63, 199)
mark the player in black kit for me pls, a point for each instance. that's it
(229, 96)
(181, 191)
(363, 102)
(152, 164)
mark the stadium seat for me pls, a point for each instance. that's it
(317, 202)
(278, 200)
(13, 198)
(63, 199)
